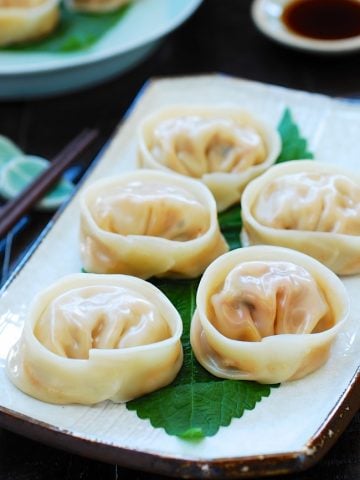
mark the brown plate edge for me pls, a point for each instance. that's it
(241, 467)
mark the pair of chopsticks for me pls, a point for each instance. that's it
(16, 208)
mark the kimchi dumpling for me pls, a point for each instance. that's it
(309, 206)
(25, 20)
(149, 223)
(97, 6)
(89, 338)
(221, 146)
(266, 313)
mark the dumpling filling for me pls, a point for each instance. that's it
(224, 147)
(263, 298)
(194, 146)
(150, 209)
(89, 338)
(310, 202)
(103, 317)
(149, 223)
(266, 313)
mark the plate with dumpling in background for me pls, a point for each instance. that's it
(303, 371)
(49, 47)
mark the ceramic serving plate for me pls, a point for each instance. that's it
(37, 74)
(292, 428)
(266, 15)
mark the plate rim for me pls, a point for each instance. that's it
(345, 407)
(287, 38)
(89, 56)
(165, 464)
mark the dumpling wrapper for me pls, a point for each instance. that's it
(268, 314)
(96, 6)
(27, 20)
(224, 147)
(149, 223)
(90, 338)
(308, 206)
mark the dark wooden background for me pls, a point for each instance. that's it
(220, 37)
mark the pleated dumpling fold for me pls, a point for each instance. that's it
(149, 223)
(224, 147)
(310, 206)
(27, 20)
(268, 314)
(89, 338)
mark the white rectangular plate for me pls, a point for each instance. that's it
(289, 430)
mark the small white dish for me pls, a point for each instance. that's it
(29, 74)
(266, 15)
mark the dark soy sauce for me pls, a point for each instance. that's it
(323, 19)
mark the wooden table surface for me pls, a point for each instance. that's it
(220, 37)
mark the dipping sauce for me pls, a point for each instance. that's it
(323, 19)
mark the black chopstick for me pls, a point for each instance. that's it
(13, 210)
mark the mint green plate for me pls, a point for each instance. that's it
(21, 170)
(8, 150)
(34, 74)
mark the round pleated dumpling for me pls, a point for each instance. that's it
(89, 338)
(27, 20)
(149, 223)
(309, 206)
(268, 314)
(224, 147)
(96, 6)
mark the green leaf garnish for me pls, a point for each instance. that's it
(294, 147)
(76, 31)
(230, 224)
(196, 404)
(230, 218)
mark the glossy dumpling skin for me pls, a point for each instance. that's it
(96, 6)
(27, 20)
(224, 147)
(149, 223)
(268, 314)
(89, 338)
(309, 206)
